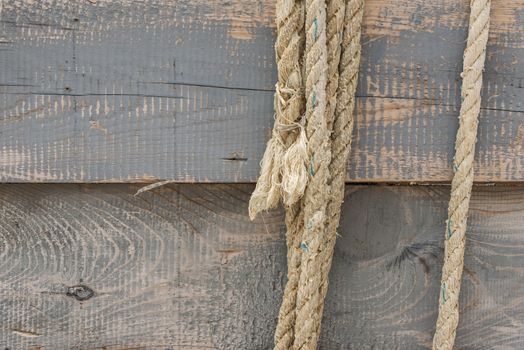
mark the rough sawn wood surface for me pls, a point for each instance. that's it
(182, 267)
(134, 91)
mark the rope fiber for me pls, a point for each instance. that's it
(289, 104)
(462, 183)
(304, 166)
(330, 70)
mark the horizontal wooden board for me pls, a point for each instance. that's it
(139, 91)
(182, 267)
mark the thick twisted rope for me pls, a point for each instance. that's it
(285, 331)
(474, 57)
(275, 181)
(311, 228)
(317, 191)
(286, 323)
(287, 143)
(341, 136)
(334, 30)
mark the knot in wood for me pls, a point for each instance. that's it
(80, 292)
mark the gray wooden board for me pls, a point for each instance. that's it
(182, 267)
(137, 91)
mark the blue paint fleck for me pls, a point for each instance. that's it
(304, 246)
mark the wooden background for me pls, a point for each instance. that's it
(182, 267)
(135, 91)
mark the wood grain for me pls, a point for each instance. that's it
(182, 267)
(138, 91)
(385, 279)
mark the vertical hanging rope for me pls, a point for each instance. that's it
(341, 136)
(314, 275)
(289, 104)
(329, 105)
(334, 34)
(455, 239)
(285, 331)
(316, 195)
(312, 221)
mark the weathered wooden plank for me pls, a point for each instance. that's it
(119, 91)
(182, 267)
(386, 271)
(179, 269)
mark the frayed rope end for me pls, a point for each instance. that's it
(294, 169)
(267, 192)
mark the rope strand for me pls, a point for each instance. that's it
(320, 145)
(317, 191)
(285, 331)
(310, 238)
(342, 135)
(455, 236)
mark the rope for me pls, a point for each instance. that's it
(319, 144)
(274, 181)
(340, 91)
(289, 103)
(334, 30)
(310, 236)
(474, 57)
(285, 331)
(341, 136)
(316, 194)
